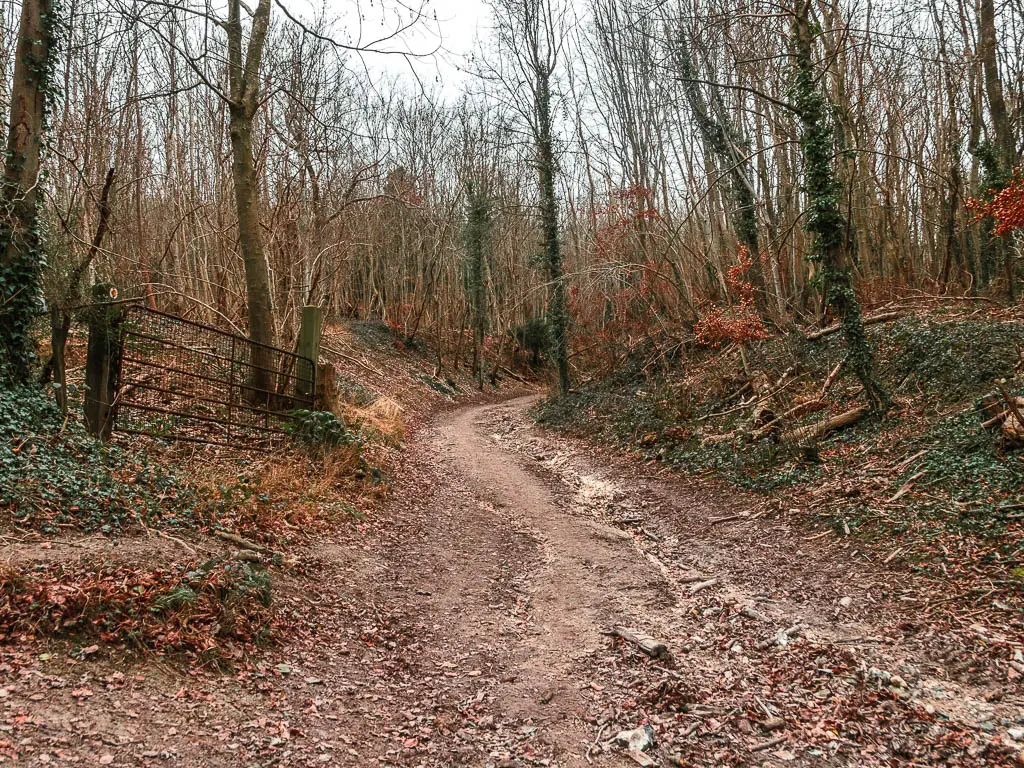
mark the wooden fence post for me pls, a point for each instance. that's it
(309, 347)
(103, 361)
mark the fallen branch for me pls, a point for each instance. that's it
(905, 488)
(176, 540)
(728, 518)
(831, 378)
(893, 555)
(690, 578)
(769, 744)
(509, 372)
(651, 647)
(820, 428)
(351, 359)
(691, 729)
(752, 613)
(703, 585)
(835, 327)
(246, 544)
(910, 460)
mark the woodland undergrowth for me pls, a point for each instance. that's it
(927, 486)
(154, 574)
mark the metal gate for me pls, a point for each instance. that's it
(182, 380)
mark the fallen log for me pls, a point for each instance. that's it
(820, 428)
(1008, 420)
(703, 585)
(656, 649)
(797, 410)
(828, 330)
(509, 372)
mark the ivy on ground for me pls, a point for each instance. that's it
(53, 474)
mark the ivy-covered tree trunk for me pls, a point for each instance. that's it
(824, 220)
(547, 168)
(477, 239)
(21, 257)
(999, 157)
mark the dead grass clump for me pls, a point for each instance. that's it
(383, 417)
(285, 496)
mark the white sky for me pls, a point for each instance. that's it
(459, 25)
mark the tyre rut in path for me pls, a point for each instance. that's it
(490, 515)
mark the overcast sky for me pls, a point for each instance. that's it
(459, 24)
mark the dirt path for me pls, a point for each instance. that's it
(465, 626)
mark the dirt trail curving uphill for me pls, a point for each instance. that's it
(540, 546)
(466, 626)
(532, 546)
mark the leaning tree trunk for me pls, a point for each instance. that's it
(558, 306)
(723, 139)
(21, 259)
(824, 219)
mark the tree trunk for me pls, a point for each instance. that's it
(1001, 125)
(824, 219)
(61, 310)
(558, 306)
(244, 76)
(21, 260)
(1005, 142)
(722, 138)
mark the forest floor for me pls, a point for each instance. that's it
(466, 624)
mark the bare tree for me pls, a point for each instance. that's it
(531, 34)
(21, 258)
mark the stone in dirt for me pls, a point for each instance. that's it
(637, 741)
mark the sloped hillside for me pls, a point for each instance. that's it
(936, 486)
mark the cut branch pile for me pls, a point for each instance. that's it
(1005, 416)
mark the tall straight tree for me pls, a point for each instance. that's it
(530, 35)
(477, 237)
(21, 258)
(243, 101)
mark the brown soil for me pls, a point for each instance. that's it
(465, 625)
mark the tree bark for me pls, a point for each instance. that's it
(1002, 128)
(824, 219)
(547, 168)
(243, 101)
(21, 260)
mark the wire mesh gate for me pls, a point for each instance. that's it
(182, 380)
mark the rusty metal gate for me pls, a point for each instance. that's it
(182, 380)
